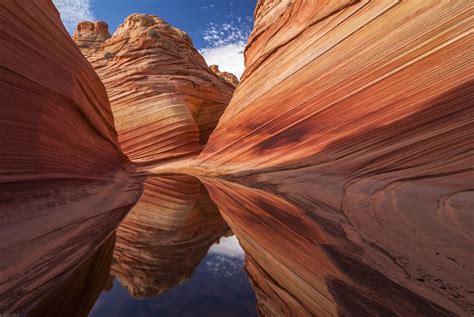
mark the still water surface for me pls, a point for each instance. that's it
(218, 287)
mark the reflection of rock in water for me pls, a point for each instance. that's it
(64, 183)
(343, 163)
(166, 235)
(76, 295)
(346, 152)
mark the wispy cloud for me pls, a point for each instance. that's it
(226, 43)
(74, 11)
(230, 58)
(236, 31)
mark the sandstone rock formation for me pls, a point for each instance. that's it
(166, 235)
(344, 162)
(90, 35)
(231, 78)
(346, 158)
(64, 184)
(165, 99)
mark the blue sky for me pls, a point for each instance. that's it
(219, 28)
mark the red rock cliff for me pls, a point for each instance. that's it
(343, 163)
(165, 99)
(64, 183)
(347, 157)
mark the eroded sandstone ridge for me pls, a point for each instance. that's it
(344, 161)
(165, 99)
(64, 183)
(90, 35)
(231, 78)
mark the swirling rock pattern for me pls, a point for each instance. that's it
(343, 162)
(350, 135)
(165, 99)
(64, 183)
(166, 235)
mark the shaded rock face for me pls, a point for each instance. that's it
(76, 295)
(64, 183)
(164, 98)
(166, 235)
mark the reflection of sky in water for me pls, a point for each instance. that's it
(228, 246)
(218, 287)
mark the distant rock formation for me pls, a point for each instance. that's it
(90, 35)
(164, 98)
(231, 78)
(64, 183)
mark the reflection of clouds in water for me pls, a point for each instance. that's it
(225, 259)
(228, 246)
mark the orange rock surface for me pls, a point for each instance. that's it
(90, 35)
(344, 161)
(64, 183)
(231, 78)
(165, 99)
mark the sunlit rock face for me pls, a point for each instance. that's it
(231, 78)
(64, 183)
(165, 99)
(345, 158)
(343, 163)
(90, 35)
(166, 235)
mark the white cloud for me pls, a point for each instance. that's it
(228, 246)
(226, 43)
(74, 11)
(230, 58)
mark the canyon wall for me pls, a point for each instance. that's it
(64, 183)
(344, 162)
(165, 99)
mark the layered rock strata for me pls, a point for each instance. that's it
(64, 183)
(76, 295)
(347, 157)
(90, 35)
(165, 99)
(343, 162)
